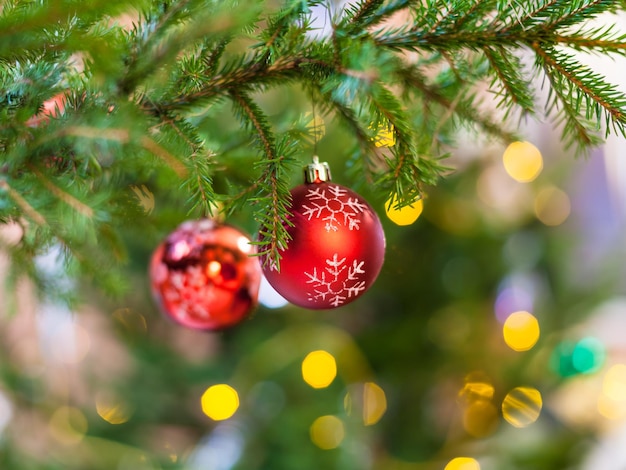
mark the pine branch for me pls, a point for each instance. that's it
(605, 40)
(80, 207)
(506, 69)
(576, 11)
(199, 181)
(412, 79)
(584, 85)
(359, 13)
(27, 209)
(255, 118)
(273, 196)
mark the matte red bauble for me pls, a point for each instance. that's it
(203, 276)
(337, 245)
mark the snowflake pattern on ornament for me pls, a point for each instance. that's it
(327, 204)
(327, 282)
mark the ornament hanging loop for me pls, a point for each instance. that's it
(317, 172)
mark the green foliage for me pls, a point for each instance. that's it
(142, 80)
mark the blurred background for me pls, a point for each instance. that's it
(493, 338)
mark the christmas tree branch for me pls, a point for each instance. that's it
(413, 80)
(199, 182)
(273, 196)
(598, 95)
(362, 11)
(514, 89)
(28, 210)
(62, 195)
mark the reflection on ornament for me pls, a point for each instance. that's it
(336, 249)
(204, 277)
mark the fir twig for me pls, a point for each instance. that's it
(274, 196)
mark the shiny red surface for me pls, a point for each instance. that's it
(336, 251)
(203, 276)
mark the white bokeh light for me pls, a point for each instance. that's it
(268, 296)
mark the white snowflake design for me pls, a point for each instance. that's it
(329, 204)
(327, 285)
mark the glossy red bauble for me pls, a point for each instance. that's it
(336, 250)
(203, 276)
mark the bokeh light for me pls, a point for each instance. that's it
(552, 206)
(463, 463)
(611, 409)
(522, 161)
(315, 125)
(583, 357)
(521, 331)
(522, 406)
(480, 418)
(327, 432)
(385, 136)
(112, 409)
(405, 215)
(477, 389)
(614, 383)
(368, 400)
(6, 412)
(268, 296)
(515, 293)
(72, 343)
(319, 369)
(68, 425)
(220, 402)
(588, 355)
(129, 323)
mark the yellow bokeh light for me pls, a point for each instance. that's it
(405, 215)
(385, 136)
(374, 403)
(480, 418)
(327, 432)
(315, 125)
(319, 369)
(522, 161)
(521, 331)
(68, 425)
(477, 387)
(369, 400)
(611, 409)
(552, 206)
(220, 402)
(522, 406)
(463, 463)
(112, 409)
(614, 383)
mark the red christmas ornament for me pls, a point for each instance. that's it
(337, 244)
(203, 276)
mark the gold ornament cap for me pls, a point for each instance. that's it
(317, 172)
